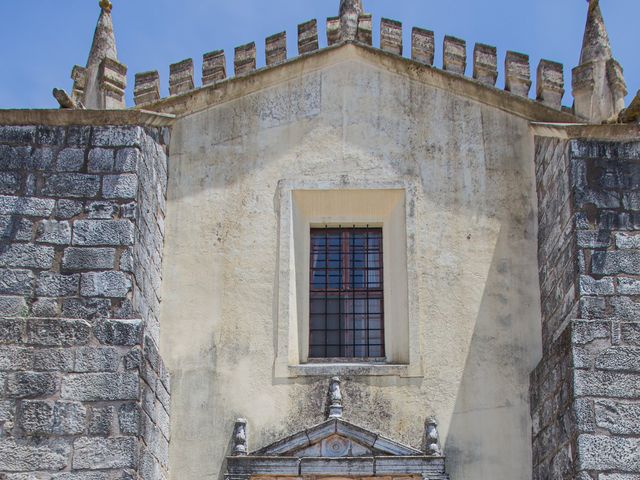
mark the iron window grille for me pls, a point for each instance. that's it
(346, 315)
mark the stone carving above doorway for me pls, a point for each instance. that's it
(336, 447)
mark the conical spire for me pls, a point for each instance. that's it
(101, 84)
(104, 40)
(105, 77)
(595, 45)
(598, 83)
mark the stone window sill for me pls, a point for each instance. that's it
(349, 369)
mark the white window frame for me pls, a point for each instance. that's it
(302, 205)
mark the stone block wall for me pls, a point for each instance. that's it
(585, 393)
(83, 391)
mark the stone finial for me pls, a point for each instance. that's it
(245, 59)
(335, 398)
(422, 45)
(308, 37)
(240, 438)
(550, 84)
(350, 10)
(106, 5)
(391, 36)
(598, 84)
(112, 79)
(347, 6)
(333, 30)
(181, 77)
(276, 48)
(365, 29)
(454, 55)
(147, 87)
(517, 74)
(485, 64)
(214, 67)
(432, 437)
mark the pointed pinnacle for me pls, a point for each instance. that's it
(351, 6)
(104, 42)
(595, 45)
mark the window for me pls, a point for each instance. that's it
(387, 209)
(346, 296)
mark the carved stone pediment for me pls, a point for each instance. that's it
(336, 438)
(336, 448)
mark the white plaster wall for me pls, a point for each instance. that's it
(477, 278)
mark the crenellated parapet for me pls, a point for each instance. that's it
(244, 61)
(485, 64)
(214, 67)
(147, 88)
(181, 77)
(550, 83)
(391, 36)
(307, 37)
(517, 74)
(422, 45)
(598, 84)
(354, 26)
(276, 48)
(455, 55)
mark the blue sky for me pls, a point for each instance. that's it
(43, 40)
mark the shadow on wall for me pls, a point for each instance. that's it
(490, 430)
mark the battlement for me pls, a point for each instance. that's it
(358, 28)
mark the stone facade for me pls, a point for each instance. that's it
(448, 165)
(84, 393)
(584, 392)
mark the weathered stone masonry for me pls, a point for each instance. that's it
(585, 393)
(83, 391)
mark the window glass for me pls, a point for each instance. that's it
(346, 316)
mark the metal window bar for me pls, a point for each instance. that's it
(346, 293)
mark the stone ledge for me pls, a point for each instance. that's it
(567, 131)
(68, 117)
(348, 369)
